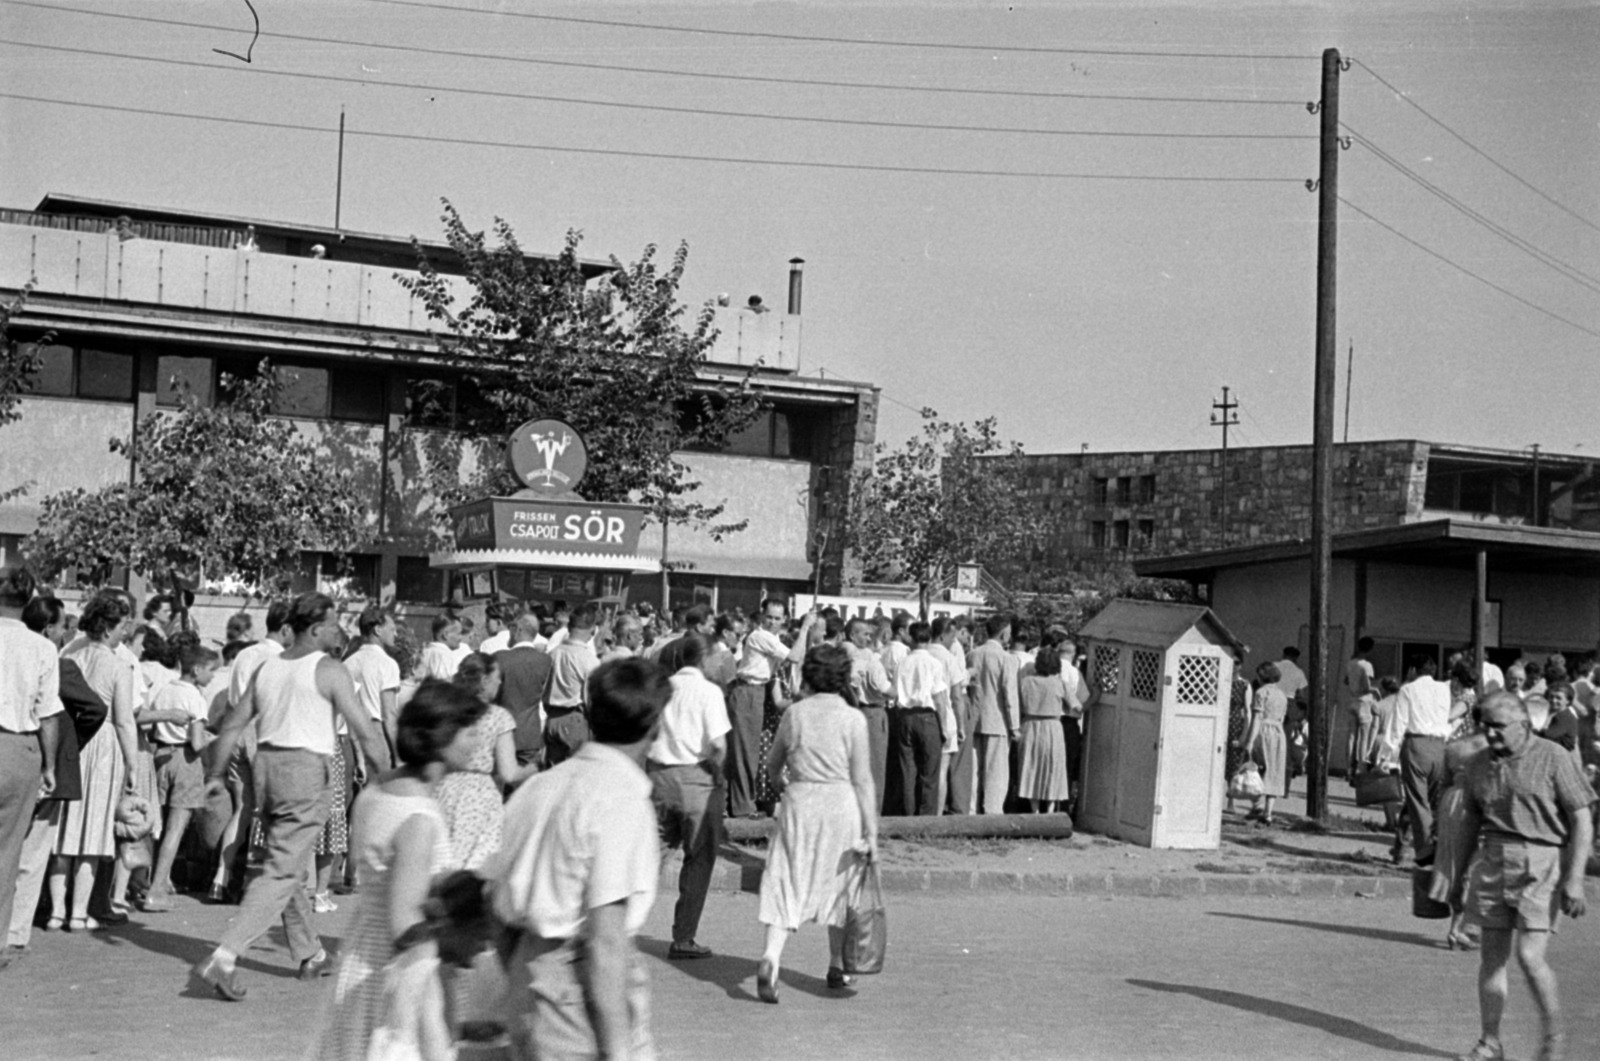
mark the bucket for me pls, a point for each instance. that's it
(1421, 904)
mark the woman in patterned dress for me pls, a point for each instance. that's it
(402, 843)
(471, 795)
(1266, 740)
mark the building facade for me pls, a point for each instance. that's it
(1104, 510)
(140, 301)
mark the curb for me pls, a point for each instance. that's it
(734, 877)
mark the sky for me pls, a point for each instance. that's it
(1070, 285)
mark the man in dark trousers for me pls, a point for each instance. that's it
(524, 682)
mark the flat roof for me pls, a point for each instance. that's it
(1452, 543)
(1448, 450)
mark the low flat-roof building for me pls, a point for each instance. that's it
(136, 297)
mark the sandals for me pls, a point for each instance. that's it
(55, 924)
(82, 924)
(1460, 941)
(1482, 1051)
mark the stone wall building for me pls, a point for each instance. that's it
(1105, 510)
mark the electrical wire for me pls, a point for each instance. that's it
(1476, 149)
(1463, 269)
(618, 153)
(660, 72)
(698, 111)
(1571, 272)
(815, 39)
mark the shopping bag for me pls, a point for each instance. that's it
(866, 923)
(1246, 783)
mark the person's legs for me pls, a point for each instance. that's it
(835, 947)
(31, 871)
(161, 881)
(777, 936)
(19, 791)
(1531, 946)
(929, 758)
(82, 886)
(1415, 775)
(746, 706)
(905, 755)
(996, 750)
(292, 791)
(700, 805)
(60, 866)
(878, 747)
(1492, 982)
(964, 770)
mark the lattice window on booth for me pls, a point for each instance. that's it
(1108, 668)
(1145, 680)
(1198, 677)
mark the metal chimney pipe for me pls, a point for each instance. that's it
(795, 265)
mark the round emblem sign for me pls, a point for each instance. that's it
(548, 456)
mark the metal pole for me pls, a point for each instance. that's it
(338, 181)
(1322, 443)
(1480, 615)
(1349, 381)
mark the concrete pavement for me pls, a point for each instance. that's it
(970, 977)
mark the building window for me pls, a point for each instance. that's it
(1147, 533)
(755, 440)
(56, 373)
(417, 583)
(1097, 533)
(302, 392)
(1147, 489)
(357, 396)
(1125, 490)
(105, 376)
(1099, 490)
(176, 376)
(1119, 531)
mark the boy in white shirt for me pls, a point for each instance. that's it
(180, 734)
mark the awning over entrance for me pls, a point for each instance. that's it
(1437, 543)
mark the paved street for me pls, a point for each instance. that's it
(971, 977)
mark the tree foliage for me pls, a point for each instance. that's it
(950, 495)
(222, 493)
(19, 363)
(618, 359)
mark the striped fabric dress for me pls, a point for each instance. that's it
(87, 824)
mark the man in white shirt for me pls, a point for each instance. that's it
(1422, 718)
(30, 718)
(762, 653)
(571, 663)
(439, 659)
(497, 625)
(576, 877)
(922, 695)
(946, 647)
(279, 637)
(869, 681)
(463, 646)
(686, 775)
(375, 673)
(1360, 694)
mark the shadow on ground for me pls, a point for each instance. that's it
(732, 972)
(1415, 939)
(1343, 1027)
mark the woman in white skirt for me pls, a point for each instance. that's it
(1042, 779)
(107, 762)
(827, 816)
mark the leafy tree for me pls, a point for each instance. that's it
(615, 359)
(950, 495)
(19, 363)
(225, 493)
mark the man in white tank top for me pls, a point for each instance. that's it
(292, 699)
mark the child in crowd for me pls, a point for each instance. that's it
(179, 713)
(417, 1021)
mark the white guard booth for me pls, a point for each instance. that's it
(1155, 739)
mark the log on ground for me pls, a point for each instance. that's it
(952, 826)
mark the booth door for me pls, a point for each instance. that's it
(1194, 737)
(1098, 786)
(1139, 746)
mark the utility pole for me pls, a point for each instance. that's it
(1326, 377)
(338, 180)
(1535, 514)
(1349, 381)
(1223, 415)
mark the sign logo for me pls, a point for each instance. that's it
(548, 456)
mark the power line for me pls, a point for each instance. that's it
(815, 39)
(661, 72)
(1476, 149)
(612, 152)
(1463, 269)
(699, 111)
(1571, 272)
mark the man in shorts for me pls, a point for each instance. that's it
(1528, 808)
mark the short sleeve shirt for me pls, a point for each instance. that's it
(178, 695)
(696, 716)
(30, 678)
(577, 837)
(571, 664)
(374, 673)
(763, 651)
(1532, 796)
(922, 676)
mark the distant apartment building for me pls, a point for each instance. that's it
(136, 298)
(1108, 509)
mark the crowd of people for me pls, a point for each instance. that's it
(512, 784)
